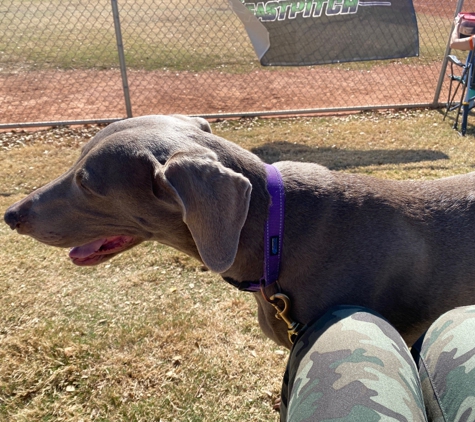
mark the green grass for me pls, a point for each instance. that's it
(407, 144)
(150, 336)
(182, 36)
(194, 36)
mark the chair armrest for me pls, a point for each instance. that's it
(455, 60)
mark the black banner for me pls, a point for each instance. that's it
(310, 32)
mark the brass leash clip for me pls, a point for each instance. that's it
(293, 327)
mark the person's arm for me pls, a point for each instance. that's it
(460, 43)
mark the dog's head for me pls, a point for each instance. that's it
(152, 177)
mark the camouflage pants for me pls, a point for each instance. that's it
(352, 365)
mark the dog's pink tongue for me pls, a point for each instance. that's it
(85, 250)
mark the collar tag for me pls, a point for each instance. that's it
(274, 245)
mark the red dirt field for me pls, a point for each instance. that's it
(59, 95)
(92, 94)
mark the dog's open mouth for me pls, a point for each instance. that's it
(100, 250)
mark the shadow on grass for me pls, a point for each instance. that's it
(338, 159)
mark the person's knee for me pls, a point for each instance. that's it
(455, 326)
(464, 314)
(346, 357)
(445, 357)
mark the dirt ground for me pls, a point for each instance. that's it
(56, 95)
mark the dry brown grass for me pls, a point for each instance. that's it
(150, 336)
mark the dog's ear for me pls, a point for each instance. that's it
(202, 124)
(215, 202)
(197, 121)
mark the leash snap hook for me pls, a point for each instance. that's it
(293, 327)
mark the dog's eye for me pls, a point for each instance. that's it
(86, 183)
(80, 182)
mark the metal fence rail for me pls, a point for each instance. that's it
(59, 63)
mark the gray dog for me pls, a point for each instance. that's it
(404, 249)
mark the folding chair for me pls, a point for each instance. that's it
(461, 89)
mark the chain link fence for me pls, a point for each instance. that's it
(59, 63)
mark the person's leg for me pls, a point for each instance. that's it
(351, 365)
(445, 356)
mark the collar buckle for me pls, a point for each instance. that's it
(293, 327)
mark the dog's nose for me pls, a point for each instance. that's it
(11, 218)
(14, 218)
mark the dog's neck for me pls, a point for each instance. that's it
(273, 235)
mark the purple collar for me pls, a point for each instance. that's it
(274, 232)
(273, 235)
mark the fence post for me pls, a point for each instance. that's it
(445, 61)
(120, 49)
